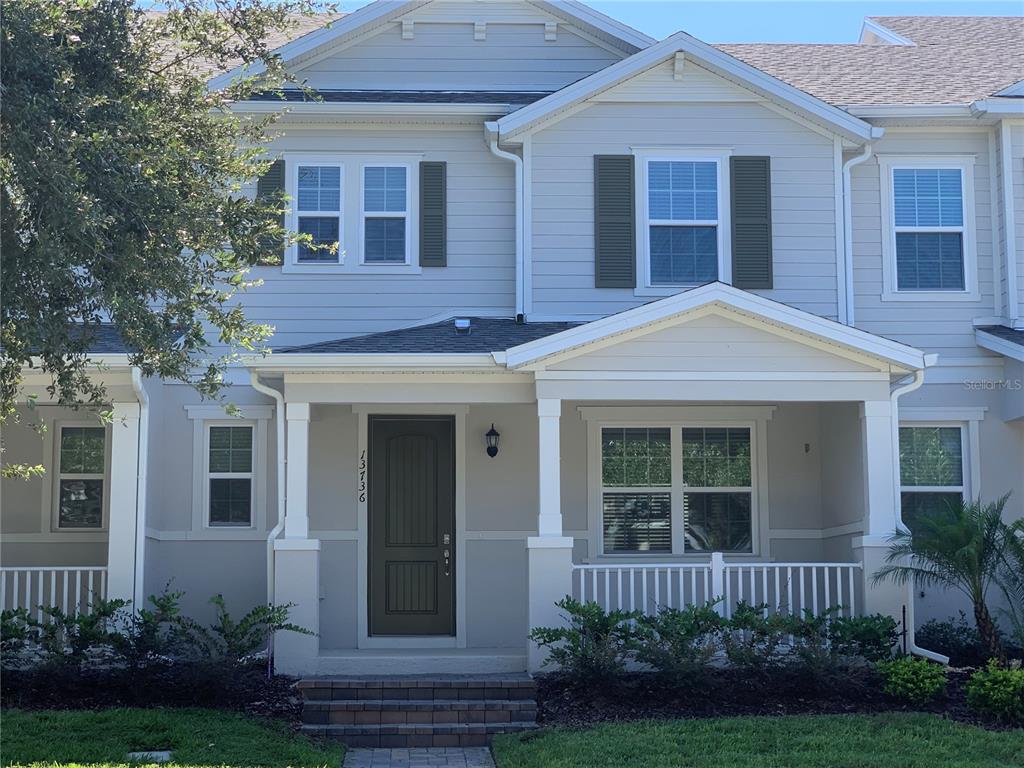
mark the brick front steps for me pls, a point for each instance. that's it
(418, 710)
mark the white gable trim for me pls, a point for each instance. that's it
(377, 14)
(720, 63)
(872, 28)
(852, 340)
(1017, 89)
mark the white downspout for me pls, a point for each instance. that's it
(848, 228)
(896, 393)
(254, 379)
(491, 135)
(141, 492)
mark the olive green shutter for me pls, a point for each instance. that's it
(751, 221)
(433, 214)
(270, 186)
(614, 222)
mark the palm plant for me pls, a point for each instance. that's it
(963, 546)
(1011, 580)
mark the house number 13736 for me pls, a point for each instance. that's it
(362, 476)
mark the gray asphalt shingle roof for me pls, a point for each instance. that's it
(487, 334)
(405, 97)
(1012, 335)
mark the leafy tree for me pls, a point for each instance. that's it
(120, 176)
(961, 546)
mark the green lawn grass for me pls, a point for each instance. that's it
(820, 741)
(197, 737)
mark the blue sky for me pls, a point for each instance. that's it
(794, 21)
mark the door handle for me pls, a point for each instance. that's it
(447, 562)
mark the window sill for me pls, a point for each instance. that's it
(931, 296)
(345, 269)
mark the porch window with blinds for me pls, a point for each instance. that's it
(81, 471)
(230, 476)
(695, 481)
(931, 470)
(717, 489)
(636, 496)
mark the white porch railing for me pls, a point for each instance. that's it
(781, 587)
(71, 589)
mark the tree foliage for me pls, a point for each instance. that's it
(120, 179)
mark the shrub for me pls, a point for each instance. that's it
(77, 637)
(955, 638)
(16, 633)
(680, 643)
(752, 638)
(912, 680)
(869, 637)
(998, 692)
(595, 644)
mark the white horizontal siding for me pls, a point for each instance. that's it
(943, 327)
(480, 276)
(803, 197)
(659, 84)
(514, 57)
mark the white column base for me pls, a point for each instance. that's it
(297, 580)
(550, 579)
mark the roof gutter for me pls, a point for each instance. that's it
(895, 394)
(848, 229)
(491, 133)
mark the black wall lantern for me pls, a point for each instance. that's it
(492, 441)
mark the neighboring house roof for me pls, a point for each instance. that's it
(847, 75)
(998, 338)
(105, 339)
(404, 97)
(979, 31)
(486, 334)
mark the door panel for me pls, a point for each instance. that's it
(411, 505)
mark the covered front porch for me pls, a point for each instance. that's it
(713, 445)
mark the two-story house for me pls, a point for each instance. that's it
(646, 322)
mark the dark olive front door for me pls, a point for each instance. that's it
(411, 507)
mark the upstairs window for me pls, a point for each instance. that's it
(928, 243)
(318, 204)
(928, 206)
(682, 221)
(931, 470)
(230, 476)
(81, 477)
(385, 214)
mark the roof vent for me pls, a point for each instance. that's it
(463, 326)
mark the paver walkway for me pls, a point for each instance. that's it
(423, 757)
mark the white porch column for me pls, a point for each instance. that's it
(549, 470)
(881, 513)
(296, 556)
(296, 518)
(549, 554)
(122, 520)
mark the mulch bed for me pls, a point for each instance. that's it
(730, 693)
(245, 689)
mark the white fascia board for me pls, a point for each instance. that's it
(998, 106)
(717, 61)
(728, 296)
(1001, 346)
(882, 33)
(328, 361)
(599, 22)
(342, 108)
(108, 360)
(377, 12)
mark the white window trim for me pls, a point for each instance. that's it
(208, 475)
(969, 421)
(887, 164)
(294, 214)
(203, 417)
(754, 418)
(406, 215)
(645, 156)
(54, 511)
(350, 256)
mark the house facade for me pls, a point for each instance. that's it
(645, 322)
